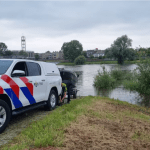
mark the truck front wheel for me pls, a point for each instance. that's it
(52, 100)
(5, 114)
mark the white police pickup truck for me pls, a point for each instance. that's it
(25, 85)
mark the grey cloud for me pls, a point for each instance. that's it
(63, 18)
(74, 15)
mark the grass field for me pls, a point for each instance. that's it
(88, 122)
(100, 62)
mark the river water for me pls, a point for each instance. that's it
(86, 78)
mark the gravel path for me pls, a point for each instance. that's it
(19, 122)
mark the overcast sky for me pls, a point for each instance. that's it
(95, 24)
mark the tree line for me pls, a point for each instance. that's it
(5, 52)
(120, 50)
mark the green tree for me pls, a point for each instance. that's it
(84, 54)
(120, 49)
(3, 48)
(8, 53)
(23, 53)
(91, 56)
(108, 53)
(148, 52)
(72, 50)
(37, 57)
(131, 54)
(100, 57)
(80, 60)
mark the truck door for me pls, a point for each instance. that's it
(20, 92)
(37, 78)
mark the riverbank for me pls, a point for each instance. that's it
(88, 122)
(98, 62)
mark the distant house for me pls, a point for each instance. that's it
(30, 54)
(99, 53)
(55, 55)
(61, 55)
(46, 55)
(51, 55)
(90, 53)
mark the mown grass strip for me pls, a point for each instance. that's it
(50, 130)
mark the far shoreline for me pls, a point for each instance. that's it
(98, 62)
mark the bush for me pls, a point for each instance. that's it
(100, 57)
(91, 56)
(80, 60)
(130, 75)
(131, 85)
(143, 77)
(104, 80)
(141, 80)
(117, 74)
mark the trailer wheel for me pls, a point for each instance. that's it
(52, 100)
(75, 95)
(5, 115)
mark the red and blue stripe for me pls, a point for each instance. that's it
(13, 92)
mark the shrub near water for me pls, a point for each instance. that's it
(117, 74)
(144, 77)
(80, 60)
(141, 80)
(104, 80)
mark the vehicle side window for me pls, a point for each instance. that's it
(20, 66)
(34, 69)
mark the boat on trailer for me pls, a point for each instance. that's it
(70, 79)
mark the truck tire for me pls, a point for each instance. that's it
(52, 100)
(5, 115)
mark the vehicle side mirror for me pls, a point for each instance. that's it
(17, 73)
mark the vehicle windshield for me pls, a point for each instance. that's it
(4, 65)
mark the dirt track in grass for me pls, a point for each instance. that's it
(107, 126)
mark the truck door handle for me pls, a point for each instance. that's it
(43, 80)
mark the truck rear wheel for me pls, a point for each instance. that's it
(52, 100)
(5, 114)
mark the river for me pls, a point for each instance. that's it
(86, 78)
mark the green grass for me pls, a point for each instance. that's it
(50, 130)
(100, 62)
(89, 62)
(66, 63)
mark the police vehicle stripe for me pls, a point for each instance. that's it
(14, 98)
(28, 95)
(29, 85)
(1, 90)
(12, 84)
